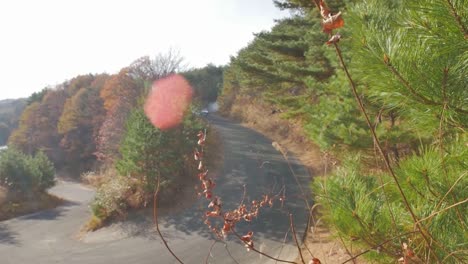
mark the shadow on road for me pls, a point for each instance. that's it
(251, 160)
(50, 214)
(7, 236)
(190, 221)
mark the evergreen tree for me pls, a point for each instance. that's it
(280, 64)
(207, 82)
(148, 152)
(409, 59)
(25, 173)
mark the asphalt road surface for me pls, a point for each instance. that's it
(249, 158)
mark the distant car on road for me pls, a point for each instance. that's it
(204, 112)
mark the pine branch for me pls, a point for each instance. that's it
(421, 229)
(378, 246)
(421, 98)
(450, 190)
(454, 13)
(443, 210)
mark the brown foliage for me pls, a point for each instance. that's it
(38, 126)
(79, 124)
(119, 94)
(120, 89)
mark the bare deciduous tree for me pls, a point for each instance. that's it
(162, 65)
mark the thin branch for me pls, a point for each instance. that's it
(296, 179)
(284, 243)
(291, 221)
(387, 202)
(316, 223)
(458, 19)
(307, 247)
(229, 253)
(441, 135)
(209, 252)
(424, 233)
(155, 219)
(243, 195)
(450, 190)
(454, 254)
(317, 4)
(443, 210)
(309, 220)
(410, 88)
(309, 208)
(408, 85)
(346, 248)
(444, 84)
(261, 253)
(379, 245)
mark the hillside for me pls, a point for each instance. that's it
(10, 112)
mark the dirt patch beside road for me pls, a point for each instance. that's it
(16, 205)
(267, 120)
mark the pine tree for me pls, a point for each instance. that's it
(409, 59)
(206, 81)
(148, 152)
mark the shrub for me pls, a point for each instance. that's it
(22, 173)
(43, 171)
(148, 152)
(96, 179)
(93, 224)
(15, 171)
(361, 210)
(110, 197)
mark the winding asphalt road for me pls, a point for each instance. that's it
(249, 158)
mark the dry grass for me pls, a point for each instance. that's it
(258, 116)
(93, 224)
(96, 179)
(16, 205)
(325, 247)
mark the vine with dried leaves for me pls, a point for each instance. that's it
(230, 218)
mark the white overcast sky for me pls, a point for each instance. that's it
(45, 42)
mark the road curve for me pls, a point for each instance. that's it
(249, 158)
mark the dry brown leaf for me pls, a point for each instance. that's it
(332, 22)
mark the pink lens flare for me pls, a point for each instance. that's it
(168, 101)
